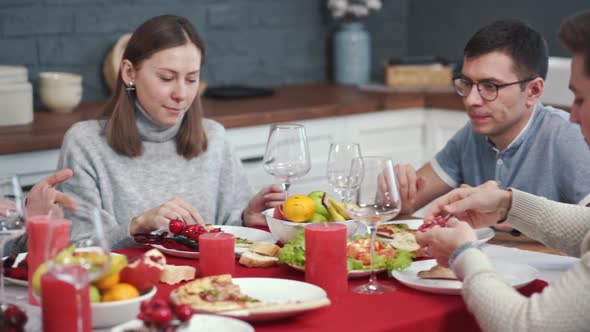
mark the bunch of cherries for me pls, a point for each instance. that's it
(178, 227)
(12, 318)
(162, 315)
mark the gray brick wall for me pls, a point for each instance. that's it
(261, 42)
(443, 27)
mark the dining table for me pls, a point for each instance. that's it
(404, 309)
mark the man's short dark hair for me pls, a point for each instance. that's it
(526, 47)
(574, 33)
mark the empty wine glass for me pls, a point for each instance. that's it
(12, 219)
(340, 159)
(287, 154)
(90, 260)
(377, 200)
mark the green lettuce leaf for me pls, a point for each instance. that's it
(294, 252)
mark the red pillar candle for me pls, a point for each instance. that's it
(37, 231)
(60, 309)
(325, 257)
(216, 254)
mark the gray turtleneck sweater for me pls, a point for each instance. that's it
(124, 187)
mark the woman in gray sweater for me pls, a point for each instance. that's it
(565, 304)
(154, 157)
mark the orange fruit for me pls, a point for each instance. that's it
(107, 282)
(299, 208)
(120, 292)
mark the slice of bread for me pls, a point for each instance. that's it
(438, 272)
(253, 259)
(174, 274)
(265, 248)
(405, 241)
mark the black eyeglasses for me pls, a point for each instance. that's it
(487, 90)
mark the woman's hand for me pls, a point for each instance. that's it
(481, 206)
(176, 208)
(43, 197)
(266, 198)
(440, 242)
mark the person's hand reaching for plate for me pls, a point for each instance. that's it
(481, 206)
(174, 209)
(440, 242)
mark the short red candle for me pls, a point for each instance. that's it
(216, 254)
(325, 257)
(59, 308)
(37, 231)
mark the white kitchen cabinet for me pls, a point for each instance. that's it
(440, 126)
(398, 134)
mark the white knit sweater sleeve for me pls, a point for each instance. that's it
(564, 304)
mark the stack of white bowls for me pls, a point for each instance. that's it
(16, 96)
(60, 92)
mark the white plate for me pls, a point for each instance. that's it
(354, 274)
(199, 322)
(517, 275)
(250, 234)
(483, 234)
(291, 297)
(19, 258)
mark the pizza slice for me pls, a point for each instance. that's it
(438, 272)
(389, 230)
(213, 294)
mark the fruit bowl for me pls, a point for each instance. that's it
(284, 231)
(108, 314)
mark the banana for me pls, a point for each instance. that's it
(339, 208)
(334, 215)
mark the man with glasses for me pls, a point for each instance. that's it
(511, 137)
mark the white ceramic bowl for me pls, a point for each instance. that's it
(284, 231)
(62, 99)
(108, 314)
(58, 79)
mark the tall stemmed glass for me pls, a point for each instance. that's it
(12, 219)
(287, 154)
(340, 159)
(377, 200)
(90, 261)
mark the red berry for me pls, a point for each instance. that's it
(158, 303)
(162, 316)
(15, 315)
(183, 312)
(176, 226)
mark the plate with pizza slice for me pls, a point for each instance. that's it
(429, 277)
(250, 299)
(245, 237)
(391, 229)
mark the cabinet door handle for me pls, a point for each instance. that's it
(252, 159)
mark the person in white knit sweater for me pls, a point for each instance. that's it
(153, 157)
(564, 305)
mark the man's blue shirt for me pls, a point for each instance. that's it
(548, 158)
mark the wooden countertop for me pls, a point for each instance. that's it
(290, 103)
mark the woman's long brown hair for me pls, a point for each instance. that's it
(156, 34)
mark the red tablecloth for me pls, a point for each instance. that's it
(403, 310)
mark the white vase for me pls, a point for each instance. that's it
(352, 53)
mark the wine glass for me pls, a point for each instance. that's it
(12, 220)
(287, 154)
(377, 200)
(90, 260)
(340, 158)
